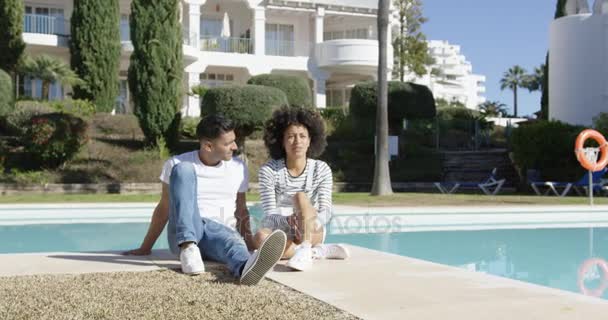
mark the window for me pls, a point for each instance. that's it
(212, 27)
(280, 39)
(360, 33)
(125, 29)
(32, 88)
(216, 79)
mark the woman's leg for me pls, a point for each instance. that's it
(306, 217)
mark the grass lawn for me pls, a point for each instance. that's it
(344, 198)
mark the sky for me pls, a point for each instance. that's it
(495, 35)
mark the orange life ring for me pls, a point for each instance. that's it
(584, 268)
(580, 155)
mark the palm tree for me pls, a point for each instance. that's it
(49, 70)
(382, 176)
(514, 77)
(534, 81)
(493, 108)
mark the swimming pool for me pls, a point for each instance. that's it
(550, 257)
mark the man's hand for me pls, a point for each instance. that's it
(137, 252)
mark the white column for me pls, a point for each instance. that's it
(194, 24)
(259, 31)
(319, 16)
(192, 104)
(320, 98)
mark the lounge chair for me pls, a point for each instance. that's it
(489, 186)
(561, 189)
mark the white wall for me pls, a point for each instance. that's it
(578, 66)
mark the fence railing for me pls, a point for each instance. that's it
(281, 48)
(230, 45)
(43, 24)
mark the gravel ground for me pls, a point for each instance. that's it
(165, 294)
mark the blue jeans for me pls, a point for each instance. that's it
(216, 241)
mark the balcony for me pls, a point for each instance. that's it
(44, 30)
(227, 45)
(43, 24)
(354, 55)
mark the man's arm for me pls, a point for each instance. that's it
(159, 220)
(243, 224)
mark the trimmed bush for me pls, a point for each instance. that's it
(547, 146)
(248, 106)
(6, 93)
(188, 127)
(405, 101)
(52, 139)
(296, 88)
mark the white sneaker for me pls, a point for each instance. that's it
(330, 251)
(190, 258)
(263, 259)
(302, 258)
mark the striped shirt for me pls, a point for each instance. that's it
(278, 186)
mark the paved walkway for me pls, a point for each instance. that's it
(370, 285)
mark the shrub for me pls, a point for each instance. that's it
(6, 93)
(52, 139)
(24, 111)
(405, 101)
(600, 123)
(188, 127)
(248, 106)
(549, 147)
(333, 118)
(296, 88)
(79, 108)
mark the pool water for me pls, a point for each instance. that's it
(549, 257)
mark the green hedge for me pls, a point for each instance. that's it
(296, 88)
(547, 146)
(405, 101)
(249, 106)
(6, 93)
(52, 139)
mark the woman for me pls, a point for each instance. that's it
(295, 189)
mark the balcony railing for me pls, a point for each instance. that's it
(280, 48)
(231, 45)
(43, 24)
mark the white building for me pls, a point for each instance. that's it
(578, 64)
(451, 76)
(333, 43)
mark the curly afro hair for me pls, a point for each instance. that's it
(285, 117)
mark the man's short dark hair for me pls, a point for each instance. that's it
(213, 126)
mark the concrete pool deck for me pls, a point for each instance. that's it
(370, 285)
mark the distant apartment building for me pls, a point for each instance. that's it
(451, 76)
(332, 43)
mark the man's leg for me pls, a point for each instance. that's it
(225, 245)
(185, 225)
(222, 244)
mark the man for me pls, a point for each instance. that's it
(198, 189)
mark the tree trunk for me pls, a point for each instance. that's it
(45, 89)
(401, 47)
(382, 178)
(515, 101)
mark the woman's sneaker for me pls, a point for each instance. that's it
(190, 258)
(302, 258)
(330, 251)
(263, 259)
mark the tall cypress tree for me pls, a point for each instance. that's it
(560, 11)
(11, 28)
(155, 72)
(95, 51)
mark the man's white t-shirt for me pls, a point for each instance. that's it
(216, 186)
